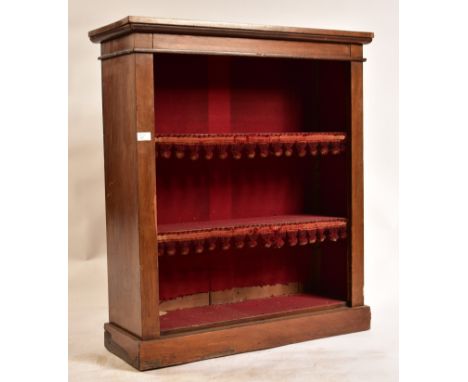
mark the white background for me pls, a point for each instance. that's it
(433, 189)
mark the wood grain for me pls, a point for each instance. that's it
(120, 162)
(128, 87)
(126, 42)
(131, 24)
(356, 271)
(249, 47)
(147, 196)
(356, 51)
(130, 194)
(198, 345)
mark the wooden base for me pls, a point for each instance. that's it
(226, 340)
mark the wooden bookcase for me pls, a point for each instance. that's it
(234, 187)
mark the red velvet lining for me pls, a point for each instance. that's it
(221, 270)
(214, 94)
(193, 317)
(322, 268)
(220, 94)
(225, 189)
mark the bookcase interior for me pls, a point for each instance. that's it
(235, 94)
(198, 95)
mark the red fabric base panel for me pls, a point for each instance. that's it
(195, 317)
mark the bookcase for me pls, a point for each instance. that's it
(234, 187)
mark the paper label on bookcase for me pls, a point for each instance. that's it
(144, 136)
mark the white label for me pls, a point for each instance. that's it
(144, 136)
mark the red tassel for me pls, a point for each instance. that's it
(239, 242)
(236, 151)
(184, 248)
(313, 148)
(301, 149)
(267, 240)
(333, 234)
(321, 235)
(288, 149)
(263, 150)
(250, 150)
(222, 151)
(292, 238)
(194, 154)
(209, 152)
(252, 241)
(179, 151)
(303, 238)
(279, 239)
(225, 243)
(277, 148)
(335, 148)
(199, 246)
(171, 248)
(312, 234)
(324, 148)
(211, 244)
(165, 151)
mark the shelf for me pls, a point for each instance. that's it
(215, 315)
(249, 145)
(271, 232)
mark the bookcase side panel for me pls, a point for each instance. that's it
(356, 269)
(144, 83)
(120, 162)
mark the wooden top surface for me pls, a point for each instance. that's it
(131, 24)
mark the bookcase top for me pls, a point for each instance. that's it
(140, 24)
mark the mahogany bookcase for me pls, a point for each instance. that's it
(234, 187)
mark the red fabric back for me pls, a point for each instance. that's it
(215, 94)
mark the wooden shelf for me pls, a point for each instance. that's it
(223, 314)
(271, 232)
(249, 145)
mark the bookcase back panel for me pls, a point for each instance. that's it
(224, 189)
(229, 94)
(320, 270)
(228, 189)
